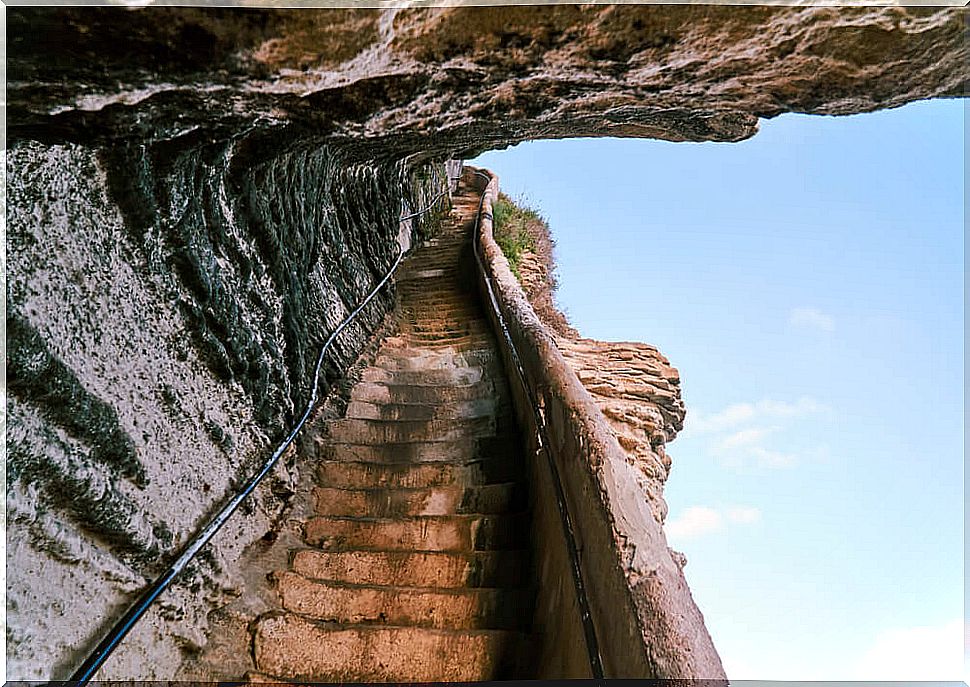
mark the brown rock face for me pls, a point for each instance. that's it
(475, 78)
(638, 391)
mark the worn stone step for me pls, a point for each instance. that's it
(430, 268)
(427, 533)
(445, 325)
(389, 503)
(443, 278)
(433, 309)
(379, 392)
(417, 358)
(456, 346)
(454, 451)
(451, 376)
(439, 570)
(375, 475)
(420, 295)
(484, 340)
(483, 333)
(455, 288)
(484, 407)
(379, 432)
(291, 647)
(453, 609)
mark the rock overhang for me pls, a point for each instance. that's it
(455, 81)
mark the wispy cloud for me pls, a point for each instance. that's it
(739, 414)
(811, 318)
(932, 652)
(697, 521)
(752, 434)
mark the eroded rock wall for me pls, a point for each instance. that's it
(165, 308)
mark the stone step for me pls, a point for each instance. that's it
(442, 278)
(416, 294)
(484, 340)
(430, 268)
(485, 407)
(451, 609)
(380, 392)
(439, 570)
(455, 451)
(447, 330)
(291, 647)
(426, 533)
(434, 305)
(456, 376)
(440, 324)
(405, 355)
(451, 345)
(375, 475)
(390, 503)
(379, 432)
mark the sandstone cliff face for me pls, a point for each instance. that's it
(638, 391)
(197, 196)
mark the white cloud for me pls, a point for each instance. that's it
(697, 521)
(806, 405)
(743, 413)
(744, 437)
(730, 417)
(933, 652)
(811, 318)
(740, 431)
(767, 458)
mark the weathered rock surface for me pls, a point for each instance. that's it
(638, 391)
(476, 78)
(164, 313)
(402, 583)
(196, 197)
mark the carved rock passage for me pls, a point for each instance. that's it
(417, 563)
(196, 196)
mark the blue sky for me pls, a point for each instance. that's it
(808, 284)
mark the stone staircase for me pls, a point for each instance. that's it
(417, 564)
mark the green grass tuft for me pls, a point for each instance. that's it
(510, 226)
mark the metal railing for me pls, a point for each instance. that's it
(123, 626)
(586, 616)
